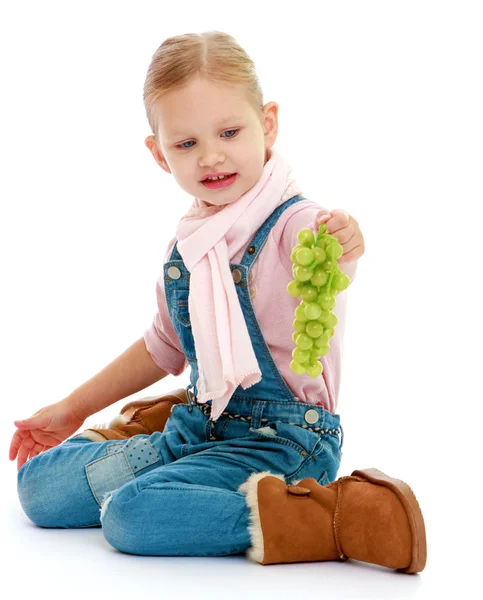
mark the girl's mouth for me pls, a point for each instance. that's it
(220, 183)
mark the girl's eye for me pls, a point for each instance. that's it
(229, 131)
(191, 141)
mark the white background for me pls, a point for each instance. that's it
(381, 115)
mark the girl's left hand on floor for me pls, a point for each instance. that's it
(346, 229)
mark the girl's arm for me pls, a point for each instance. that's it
(129, 373)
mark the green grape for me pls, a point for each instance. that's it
(301, 356)
(341, 281)
(304, 257)
(322, 340)
(317, 281)
(294, 288)
(330, 321)
(297, 368)
(323, 242)
(309, 292)
(336, 251)
(314, 369)
(326, 301)
(320, 277)
(300, 314)
(314, 329)
(304, 342)
(294, 251)
(312, 311)
(319, 254)
(306, 237)
(302, 273)
(299, 326)
(323, 316)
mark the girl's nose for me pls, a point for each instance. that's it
(211, 157)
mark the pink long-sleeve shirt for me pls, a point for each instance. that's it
(271, 272)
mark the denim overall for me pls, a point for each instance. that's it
(175, 492)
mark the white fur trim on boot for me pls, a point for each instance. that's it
(250, 488)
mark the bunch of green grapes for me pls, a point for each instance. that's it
(317, 280)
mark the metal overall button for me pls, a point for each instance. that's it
(251, 250)
(311, 416)
(237, 276)
(174, 273)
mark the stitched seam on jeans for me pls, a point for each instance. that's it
(281, 402)
(91, 485)
(194, 487)
(280, 440)
(302, 465)
(328, 448)
(318, 430)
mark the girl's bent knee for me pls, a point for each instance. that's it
(52, 495)
(30, 493)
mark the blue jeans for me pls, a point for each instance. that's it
(176, 492)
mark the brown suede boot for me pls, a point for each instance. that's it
(368, 516)
(146, 415)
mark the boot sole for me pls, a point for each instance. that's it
(415, 516)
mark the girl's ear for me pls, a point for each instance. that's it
(270, 123)
(150, 143)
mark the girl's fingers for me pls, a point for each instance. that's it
(16, 443)
(36, 450)
(23, 439)
(339, 219)
(322, 217)
(353, 255)
(22, 458)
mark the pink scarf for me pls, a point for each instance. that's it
(208, 237)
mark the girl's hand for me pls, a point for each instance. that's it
(346, 229)
(46, 428)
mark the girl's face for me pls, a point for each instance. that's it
(211, 128)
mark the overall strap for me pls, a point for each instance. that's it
(258, 241)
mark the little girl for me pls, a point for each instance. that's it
(248, 462)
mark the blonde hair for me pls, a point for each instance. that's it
(213, 55)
